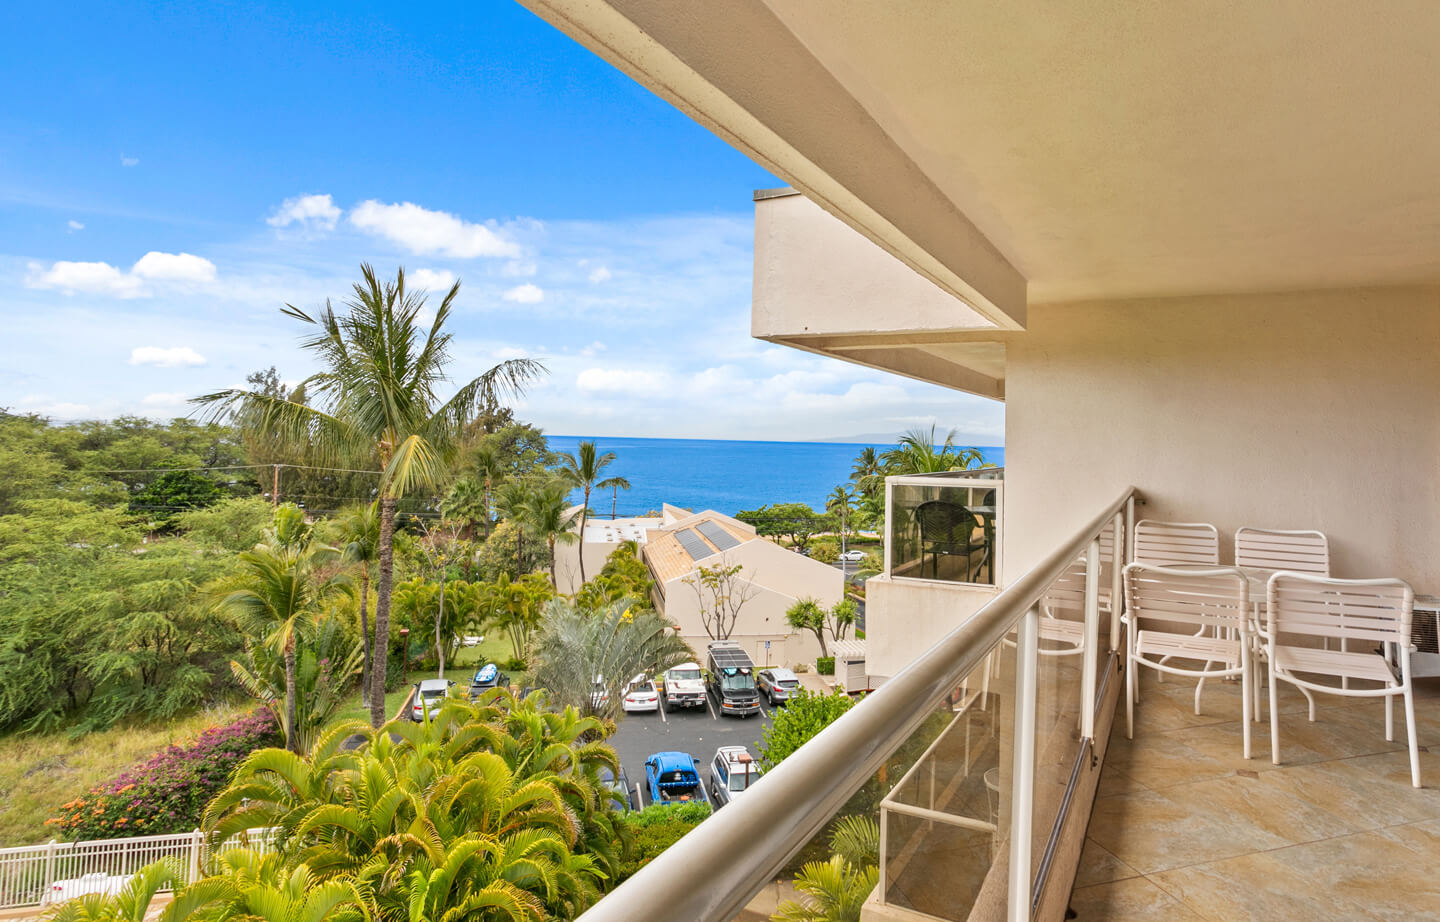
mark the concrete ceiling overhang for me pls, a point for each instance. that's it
(1046, 152)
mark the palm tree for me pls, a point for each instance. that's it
(616, 643)
(831, 891)
(583, 473)
(514, 607)
(511, 500)
(841, 502)
(547, 515)
(276, 596)
(324, 666)
(489, 469)
(130, 904)
(251, 885)
(377, 401)
(466, 501)
(360, 532)
(918, 453)
(869, 470)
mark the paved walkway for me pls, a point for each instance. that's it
(1185, 828)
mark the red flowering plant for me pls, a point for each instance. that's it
(168, 792)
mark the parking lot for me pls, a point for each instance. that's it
(694, 730)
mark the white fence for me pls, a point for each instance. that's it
(41, 874)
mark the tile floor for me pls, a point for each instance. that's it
(1185, 828)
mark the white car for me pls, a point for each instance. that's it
(641, 696)
(853, 556)
(732, 773)
(428, 696)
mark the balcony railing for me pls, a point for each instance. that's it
(945, 527)
(969, 756)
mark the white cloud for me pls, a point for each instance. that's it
(317, 212)
(599, 274)
(129, 161)
(163, 357)
(174, 267)
(164, 400)
(432, 279)
(595, 348)
(518, 269)
(84, 278)
(621, 381)
(74, 225)
(525, 294)
(427, 232)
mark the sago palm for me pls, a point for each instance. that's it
(360, 537)
(377, 401)
(830, 891)
(130, 904)
(583, 471)
(276, 596)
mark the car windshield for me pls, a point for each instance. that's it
(739, 780)
(641, 688)
(684, 675)
(737, 682)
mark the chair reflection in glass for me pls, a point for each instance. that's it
(949, 529)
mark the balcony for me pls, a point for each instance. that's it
(1001, 792)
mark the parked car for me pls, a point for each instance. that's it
(732, 772)
(624, 793)
(777, 685)
(671, 778)
(429, 693)
(683, 687)
(732, 679)
(853, 556)
(485, 678)
(641, 696)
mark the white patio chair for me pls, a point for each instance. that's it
(1292, 551)
(1373, 612)
(1215, 602)
(1166, 544)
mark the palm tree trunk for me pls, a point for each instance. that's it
(440, 619)
(553, 584)
(292, 736)
(365, 642)
(382, 611)
(584, 514)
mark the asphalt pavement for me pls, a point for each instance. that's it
(693, 730)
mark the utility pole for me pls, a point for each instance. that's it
(275, 487)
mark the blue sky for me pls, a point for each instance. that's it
(170, 175)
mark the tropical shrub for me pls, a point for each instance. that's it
(167, 793)
(825, 665)
(326, 667)
(656, 828)
(825, 550)
(804, 715)
(487, 810)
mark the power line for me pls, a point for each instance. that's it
(222, 467)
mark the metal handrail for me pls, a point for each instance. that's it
(711, 874)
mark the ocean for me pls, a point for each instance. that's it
(726, 476)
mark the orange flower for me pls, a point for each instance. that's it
(128, 787)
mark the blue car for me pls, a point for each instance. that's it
(486, 678)
(671, 778)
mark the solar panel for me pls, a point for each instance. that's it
(694, 546)
(718, 536)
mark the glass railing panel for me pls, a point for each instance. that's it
(946, 820)
(943, 529)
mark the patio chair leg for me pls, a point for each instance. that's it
(1200, 687)
(1130, 699)
(1245, 697)
(1274, 717)
(1308, 697)
(1389, 718)
(1410, 733)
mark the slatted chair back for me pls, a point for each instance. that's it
(1367, 610)
(1065, 599)
(1211, 598)
(1168, 543)
(1293, 551)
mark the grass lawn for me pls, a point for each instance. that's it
(492, 649)
(41, 771)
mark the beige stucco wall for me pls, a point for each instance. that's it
(567, 562)
(904, 618)
(775, 578)
(1309, 410)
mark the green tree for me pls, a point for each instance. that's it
(548, 517)
(583, 471)
(869, 471)
(805, 714)
(324, 667)
(623, 578)
(842, 617)
(796, 521)
(830, 891)
(515, 606)
(614, 643)
(174, 492)
(808, 615)
(505, 551)
(251, 885)
(841, 504)
(130, 904)
(235, 524)
(721, 592)
(919, 453)
(360, 548)
(378, 402)
(277, 596)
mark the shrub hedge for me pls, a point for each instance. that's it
(825, 665)
(656, 828)
(167, 793)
